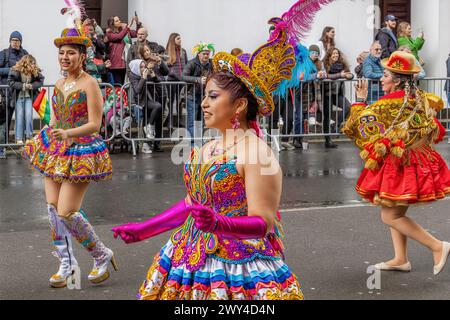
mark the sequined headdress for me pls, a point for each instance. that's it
(74, 34)
(262, 71)
(274, 62)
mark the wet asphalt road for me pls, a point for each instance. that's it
(331, 237)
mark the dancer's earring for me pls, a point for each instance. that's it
(235, 121)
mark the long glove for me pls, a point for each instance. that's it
(241, 228)
(165, 221)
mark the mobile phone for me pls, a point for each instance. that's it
(135, 14)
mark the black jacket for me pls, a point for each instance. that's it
(16, 84)
(133, 52)
(194, 71)
(8, 59)
(388, 43)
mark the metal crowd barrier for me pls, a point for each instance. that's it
(176, 106)
(314, 109)
(319, 108)
(7, 136)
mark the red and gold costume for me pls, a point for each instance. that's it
(396, 137)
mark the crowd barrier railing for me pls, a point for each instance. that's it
(313, 109)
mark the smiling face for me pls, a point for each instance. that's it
(218, 107)
(70, 59)
(331, 34)
(335, 56)
(388, 83)
(376, 50)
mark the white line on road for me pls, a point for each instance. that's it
(356, 204)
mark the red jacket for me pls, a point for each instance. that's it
(117, 47)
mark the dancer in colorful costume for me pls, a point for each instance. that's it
(70, 153)
(227, 240)
(396, 135)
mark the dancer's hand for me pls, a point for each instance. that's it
(205, 219)
(128, 232)
(60, 134)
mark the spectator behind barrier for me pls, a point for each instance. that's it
(119, 35)
(95, 64)
(422, 74)
(142, 39)
(386, 36)
(373, 71)
(360, 61)
(337, 68)
(25, 79)
(326, 42)
(310, 97)
(141, 73)
(176, 63)
(8, 59)
(404, 34)
(196, 71)
(156, 64)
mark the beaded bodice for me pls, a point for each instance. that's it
(217, 184)
(70, 112)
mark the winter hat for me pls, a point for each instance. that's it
(15, 35)
(314, 48)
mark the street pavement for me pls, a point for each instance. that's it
(331, 236)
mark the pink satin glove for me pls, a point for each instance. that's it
(165, 221)
(242, 228)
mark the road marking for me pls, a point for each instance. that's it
(356, 204)
(326, 207)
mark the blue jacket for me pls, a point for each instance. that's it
(372, 68)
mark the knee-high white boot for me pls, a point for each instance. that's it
(62, 241)
(80, 228)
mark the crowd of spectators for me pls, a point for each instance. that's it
(116, 59)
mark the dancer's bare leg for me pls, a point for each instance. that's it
(71, 196)
(400, 248)
(52, 191)
(396, 218)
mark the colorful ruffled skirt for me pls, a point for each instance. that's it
(82, 159)
(259, 279)
(420, 176)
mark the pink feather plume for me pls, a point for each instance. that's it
(298, 20)
(77, 7)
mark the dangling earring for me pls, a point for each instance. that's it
(235, 121)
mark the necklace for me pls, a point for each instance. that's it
(71, 85)
(214, 151)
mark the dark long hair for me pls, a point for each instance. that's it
(327, 60)
(327, 42)
(172, 48)
(111, 26)
(237, 89)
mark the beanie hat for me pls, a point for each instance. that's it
(16, 35)
(314, 48)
